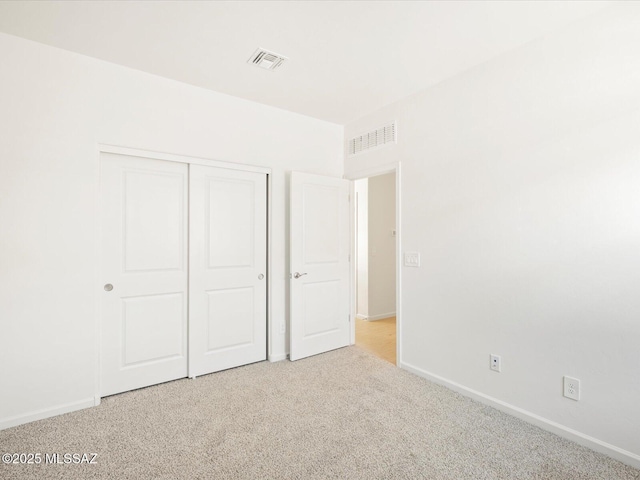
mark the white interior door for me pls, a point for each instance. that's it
(144, 268)
(228, 261)
(319, 284)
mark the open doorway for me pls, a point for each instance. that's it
(375, 235)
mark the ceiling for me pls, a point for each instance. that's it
(347, 58)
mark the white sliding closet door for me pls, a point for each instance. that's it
(228, 261)
(144, 269)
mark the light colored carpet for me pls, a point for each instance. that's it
(344, 414)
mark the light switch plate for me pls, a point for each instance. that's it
(411, 259)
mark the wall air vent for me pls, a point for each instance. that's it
(265, 59)
(373, 139)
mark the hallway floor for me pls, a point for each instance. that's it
(378, 337)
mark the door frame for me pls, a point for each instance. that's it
(134, 152)
(393, 167)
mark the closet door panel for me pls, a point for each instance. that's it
(144, 268)
(227, 260)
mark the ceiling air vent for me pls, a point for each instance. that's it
(265, 59)
(374, 138)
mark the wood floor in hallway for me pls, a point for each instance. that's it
(378, 337)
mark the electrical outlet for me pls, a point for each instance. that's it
(494, 363)
(571, 388)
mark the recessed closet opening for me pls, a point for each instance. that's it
(184, 268)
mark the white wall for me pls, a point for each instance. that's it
(361, 190)
(382, 246)
(56, 108)
(521, 189)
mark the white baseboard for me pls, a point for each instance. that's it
(590, 442)
(277, 358)
(373, 318)
(361, 317)
(48, 412)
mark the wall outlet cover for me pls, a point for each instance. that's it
(495, 363)
(571, 388)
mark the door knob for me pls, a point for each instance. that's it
(260, 277)
(108, 287)
(298, 275)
